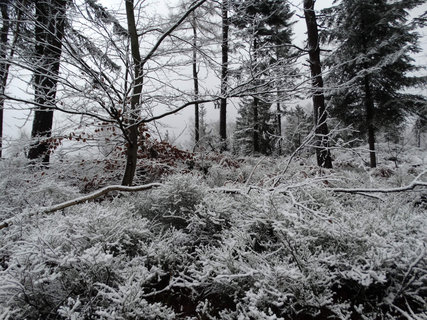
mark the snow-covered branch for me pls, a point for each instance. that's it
(411, 186)
(89, 197)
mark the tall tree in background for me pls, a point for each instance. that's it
(371, 64)
(49, 30)
(265, 26)
(4, 33)
(224, 74)
(195, 79)
(7, 48)
(246, 125)
(323, 154)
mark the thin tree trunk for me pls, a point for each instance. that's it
(370, 114)
(224, 76)
(319, 111)
(49, 30)
(132, 134)
(3, 66)
(279, 125)
(255, 136)
(196, 83)
(279, 112)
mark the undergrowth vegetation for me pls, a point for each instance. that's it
(242, 239)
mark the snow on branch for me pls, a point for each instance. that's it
(99, 193)
(411, 186)
(105, 190)
(89, 197)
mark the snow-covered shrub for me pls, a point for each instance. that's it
(69, 257)
(287, 248)
(175, 202)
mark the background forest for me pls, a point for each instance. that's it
(304, 198)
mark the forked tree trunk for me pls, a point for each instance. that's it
(49, 30)
(319, 111)
(224, 76)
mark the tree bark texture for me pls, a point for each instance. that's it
(370, 114)
(3, 65)
(224, 76)
(319, 111)
(133, 115)
(49, 30)
(196, 83)
(255, 135)
(279, 127)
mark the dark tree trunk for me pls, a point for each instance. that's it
(3, 65)
(49, 30)
(370, 115)
(319, 111)
(255, 136)
(256, 130)
(132, 132)
(224, 76)
(279, 125)
(196, 84)
(279, 113)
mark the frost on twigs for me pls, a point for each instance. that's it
(192, 249)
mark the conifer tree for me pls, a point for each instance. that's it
(371, 64)
(265, 26)
(247, 123)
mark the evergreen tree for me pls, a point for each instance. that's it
(265, 26)
(371, 64)
(297, 127)
(250, 127)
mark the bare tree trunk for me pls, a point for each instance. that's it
(370, 114)
(196, 83)
(319, 111)
(135, 102)
(3, 66)
(224, 76)
(255, 135)
(132, 134)
(279, 124)
(49, 30)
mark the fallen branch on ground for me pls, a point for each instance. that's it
(99, 193)
(105, 190)
(391, 190)
(88, 197)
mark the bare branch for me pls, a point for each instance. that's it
(409, 187)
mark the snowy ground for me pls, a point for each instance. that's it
(253, 238)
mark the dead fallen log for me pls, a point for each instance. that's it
(86, 198)
(99, 193)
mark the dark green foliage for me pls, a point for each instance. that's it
(265, 28)
(375, 41)
(298, 126)
(247, 129)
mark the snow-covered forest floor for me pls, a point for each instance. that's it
(219, 238)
